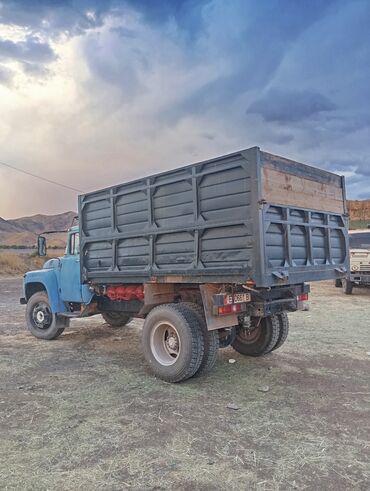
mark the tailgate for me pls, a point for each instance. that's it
(304, 222)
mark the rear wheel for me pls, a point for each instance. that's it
(41, 321)
(338, 283)
(259, 338)
(347, 286)
(116, 319)
(226, 336)
(210, 339)
(284, 330)
(173, 342)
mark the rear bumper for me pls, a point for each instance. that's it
(267, 302)
(273, 301)
(264, 309)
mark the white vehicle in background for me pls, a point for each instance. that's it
(359, 248)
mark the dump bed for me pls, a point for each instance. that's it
(247, 215)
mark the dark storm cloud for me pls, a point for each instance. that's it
(124, 32)
(48, 18)
(186, 14)
(116, 68)
(281, 139)
(55, 16)
(363, 169)
(363, 195)
(75, 17)
(254, 39)
(35, 70)
(32, 50)
(288, 106)
(199, 77)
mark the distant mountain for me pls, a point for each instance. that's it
(23, 231)
(40, 223)
(7, 226)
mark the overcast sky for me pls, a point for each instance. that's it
(93, 93)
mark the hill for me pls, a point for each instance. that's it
(40, 223)
(359, 209)
(22, 232)
(7, 226)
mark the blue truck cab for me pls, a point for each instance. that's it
(52, 293)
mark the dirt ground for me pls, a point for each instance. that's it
(83, 412)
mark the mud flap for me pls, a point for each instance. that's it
(215, 321)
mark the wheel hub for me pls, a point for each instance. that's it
(172, 342)
(250, 336)
(165, 343)
(42, 316)
(249, 332)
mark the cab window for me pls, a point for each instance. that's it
(74, 244)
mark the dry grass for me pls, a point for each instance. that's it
(12, 263)
(83, 412)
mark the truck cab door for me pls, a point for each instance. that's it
(70, 280)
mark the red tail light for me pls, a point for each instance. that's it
(229, 309)
(303, 297)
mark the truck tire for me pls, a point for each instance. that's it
(284, 330)
(173, 342)
(226, 336)
(338, 283)
(210, 339)
(260, 339)
(41, 322)
(347, 286)
(116, 319)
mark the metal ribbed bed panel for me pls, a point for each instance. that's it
(248, 215)
(194, 221)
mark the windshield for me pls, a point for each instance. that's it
(359, 241)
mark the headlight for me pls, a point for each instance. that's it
(354, 267)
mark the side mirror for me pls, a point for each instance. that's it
(41, 245)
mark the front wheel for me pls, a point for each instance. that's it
(41, 321)
(116, 319)
(259, 338)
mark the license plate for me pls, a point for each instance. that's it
(238, 298)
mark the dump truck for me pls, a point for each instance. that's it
(359, 256)
(210, 255)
